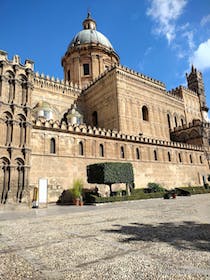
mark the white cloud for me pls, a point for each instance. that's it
(205, 20)
(165, 13)
(201, 57)
(190, 39)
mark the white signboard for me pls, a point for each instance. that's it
(43, 190)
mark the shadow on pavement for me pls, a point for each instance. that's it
(186, 235)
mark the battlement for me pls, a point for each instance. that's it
(84, 129)
(177, 93)
(29, 64)
(125, 70)
(190, 125)
(140, 75)
(55, 84)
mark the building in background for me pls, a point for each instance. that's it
(100, 112)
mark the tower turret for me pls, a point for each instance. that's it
(195, 83)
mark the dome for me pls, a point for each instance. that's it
(88, 36)
(45, 110)
(73, 116)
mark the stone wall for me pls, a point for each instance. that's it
(176, 164)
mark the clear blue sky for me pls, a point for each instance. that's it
(160, 38)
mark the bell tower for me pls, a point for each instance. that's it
(195, 83)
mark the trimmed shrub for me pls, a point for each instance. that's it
(110, 173)
(154, 187)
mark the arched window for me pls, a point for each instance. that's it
(81, 149)
(11, 85)
(95, 118)
(155, 155)
(175, 121)
(191, 160)
(21, 180)
(22, 127)
(52, 146)
(122, 153)
(169, 121)
(180, 158)
(145, 113)
(86, 69)
(101, 150)
(182, 122)
(169, 156)
(9, 128)
(4, 179)
(69, 75)
(201, 160)
(24, 98)
(137, 153)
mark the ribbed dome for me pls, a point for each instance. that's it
(89, 36)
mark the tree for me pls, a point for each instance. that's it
(110, 173)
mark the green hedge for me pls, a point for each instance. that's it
(138, 194)
(96, 199)
(196, 190)
(110, 173)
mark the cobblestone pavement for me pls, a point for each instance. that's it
(146, 239)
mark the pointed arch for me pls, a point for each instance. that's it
(175, 121)
(11, 85)
(180, 157)
(24, 93)
(8, 119)
(122, 152)
(155, 155)
(4, 179)
(81, 149)
(169, 121)
(22, 129)
(101, 150)
(191, 159)
(169, 156)
(137, 153)
(20, 179)
(52, 146)
(145, 113)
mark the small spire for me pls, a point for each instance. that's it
(89, 14)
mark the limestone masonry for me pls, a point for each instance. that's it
(101, 111)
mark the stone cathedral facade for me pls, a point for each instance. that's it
(101, 111)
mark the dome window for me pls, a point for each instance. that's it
(69, 75)
(95, 119)
(86, 69)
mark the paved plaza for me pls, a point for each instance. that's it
(145, 239)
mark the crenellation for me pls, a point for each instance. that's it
(88, 130)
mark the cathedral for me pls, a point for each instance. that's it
(100, 112)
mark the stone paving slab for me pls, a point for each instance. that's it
(146, 239)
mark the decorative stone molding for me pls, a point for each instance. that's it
(82, 129)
